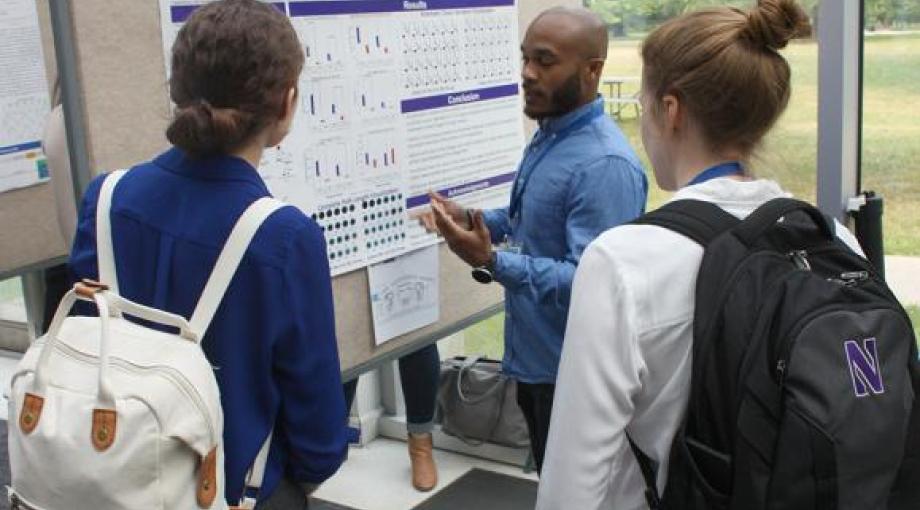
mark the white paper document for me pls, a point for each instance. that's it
(404, 293)
(24, 102)
(396, 98)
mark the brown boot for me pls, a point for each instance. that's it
(424, 472)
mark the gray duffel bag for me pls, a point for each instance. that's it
(478, 403)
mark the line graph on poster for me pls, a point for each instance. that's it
(469, 50)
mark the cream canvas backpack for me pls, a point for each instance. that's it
(106, 413)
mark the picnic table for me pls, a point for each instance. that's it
(615, 98)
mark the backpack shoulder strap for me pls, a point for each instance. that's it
(105, 253)
(649, 469)
(701, 222)
(228, 261)
(765, 217)
(255, 476)
(698, 220)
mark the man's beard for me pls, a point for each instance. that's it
(564, 99)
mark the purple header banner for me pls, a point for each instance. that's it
(463, 189)
(458, 98)
(180, 13)
(327, 7)
(20, 147)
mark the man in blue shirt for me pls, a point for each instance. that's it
(578, 178)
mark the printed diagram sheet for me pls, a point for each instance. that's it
(397, 98)
(404, 293)
(24, 102)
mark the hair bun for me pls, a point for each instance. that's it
(201, 129)
(773, 23)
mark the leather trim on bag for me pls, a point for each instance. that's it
(207, 479)
(86, 288)
(31, 412)
(103, 431)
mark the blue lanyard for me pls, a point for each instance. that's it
(723, 170)
(517, 192)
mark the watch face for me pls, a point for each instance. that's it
(482, 275)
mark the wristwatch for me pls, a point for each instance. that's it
(486, 273)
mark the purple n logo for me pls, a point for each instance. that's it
(864, 367)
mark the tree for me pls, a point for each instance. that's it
(624, 16)
(887, 13)
(617, 14)
(629, 15)
(880, 13)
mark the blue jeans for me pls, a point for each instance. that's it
(419, 373)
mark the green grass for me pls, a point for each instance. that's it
(891, 137)
(10, 289)
(914, 312)
(486, 337)
(891, 131)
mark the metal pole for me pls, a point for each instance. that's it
(33, 294)
(839, 35)
(71, 93)
(861, 55)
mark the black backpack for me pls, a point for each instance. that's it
(805, 385)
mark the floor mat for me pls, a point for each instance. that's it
(318, 504)
(479, 488)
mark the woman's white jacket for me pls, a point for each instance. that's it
(625, 363)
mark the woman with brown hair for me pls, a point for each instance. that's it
(713, 85)
(234, 72)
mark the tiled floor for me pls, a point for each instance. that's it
(904, 278)
(381, 470)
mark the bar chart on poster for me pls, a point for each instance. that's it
(397, 98)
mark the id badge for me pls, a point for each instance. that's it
(509, 244)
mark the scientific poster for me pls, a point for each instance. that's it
(397, 98)
(24, 102)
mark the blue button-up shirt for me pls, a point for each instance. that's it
(272, 339)
(582, 178)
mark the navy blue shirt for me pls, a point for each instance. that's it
(582, 178)
(272, 340)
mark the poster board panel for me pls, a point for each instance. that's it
(29, 233)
